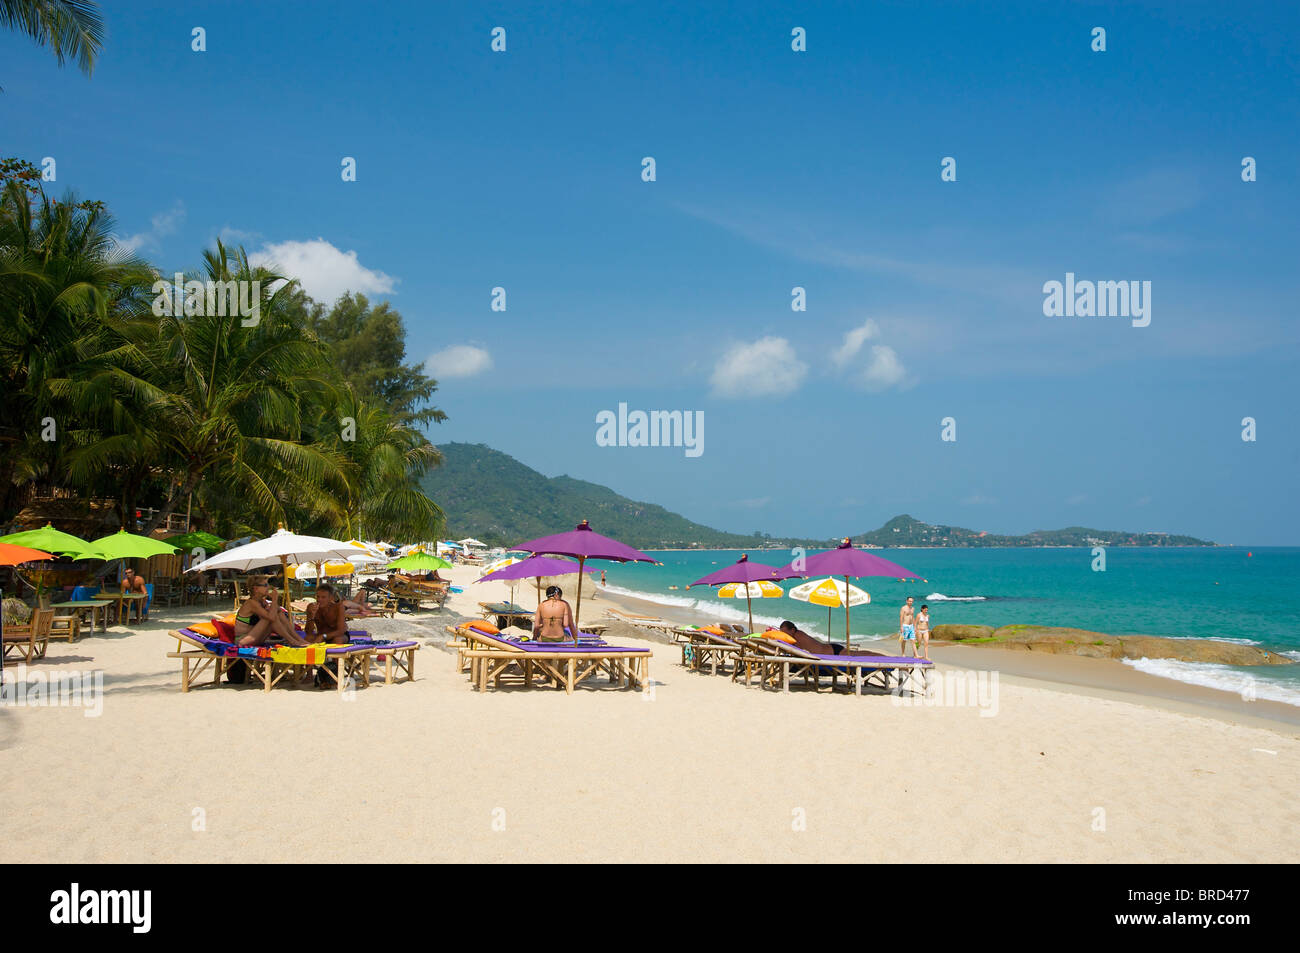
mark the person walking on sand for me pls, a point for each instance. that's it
(553, 618)
(923, 632)
(906, 628)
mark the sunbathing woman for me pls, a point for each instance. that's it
(259, 616)
(553, 617)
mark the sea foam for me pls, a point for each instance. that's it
(1225, 678)
(940, 597)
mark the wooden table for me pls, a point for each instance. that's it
(136, 600)
(95, 606)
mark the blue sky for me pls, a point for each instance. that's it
(775, 169)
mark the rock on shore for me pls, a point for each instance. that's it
(1065, 641)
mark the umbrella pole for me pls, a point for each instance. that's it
(749, 602)
(578, 608)
(847, 637)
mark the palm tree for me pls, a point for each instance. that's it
(65, 287)
(384, 458)
(73, 29)
(230, 399)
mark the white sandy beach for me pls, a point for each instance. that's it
(699, 769)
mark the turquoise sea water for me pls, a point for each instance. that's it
(1248, 595)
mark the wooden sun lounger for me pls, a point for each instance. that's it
(494, 659)
(701, 649)
(353, 661)
(651, 622)
(420, 593)
(776, 662)
(397, 657)
(467, 639)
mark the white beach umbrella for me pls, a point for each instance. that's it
(502, 564)
(471, 541)
(281, 547)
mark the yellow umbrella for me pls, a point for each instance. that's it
(758, 589)
(831, 593)
(331, 569)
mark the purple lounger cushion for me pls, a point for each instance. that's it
(570, 647)
(373, 644)
(883, 659)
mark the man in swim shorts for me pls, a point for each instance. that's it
(906, 628)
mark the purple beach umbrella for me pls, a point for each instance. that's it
(742, 570)
(535, 567)
(582, 543)
(846, 561)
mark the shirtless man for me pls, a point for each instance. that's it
(807, 642)
(906, 628)
(552, 617)
(132, 583)
(326, 617)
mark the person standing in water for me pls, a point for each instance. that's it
(906, 628)
(553, 617)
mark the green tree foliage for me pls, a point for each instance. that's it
(162, 400)
(72, 29)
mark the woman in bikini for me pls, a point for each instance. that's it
(553, 617)
(256, 620)
(923, 630)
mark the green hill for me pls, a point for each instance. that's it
(906, 531)
(492, 496)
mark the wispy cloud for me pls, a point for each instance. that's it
(979, 499)
(880, 371)
(1150, 196)
(459, 360)
(992, 281)
(160, 226)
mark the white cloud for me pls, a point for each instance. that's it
(162, 224)
(324, 271)
(853, 342)
(459, 360)
(767, 367)
(236, 236)
(884, 371)
(979, 499)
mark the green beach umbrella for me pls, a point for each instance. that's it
(54, 541)
(124, 545)
(420, 561)
(197, 538)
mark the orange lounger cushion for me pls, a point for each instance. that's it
(480, 625)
